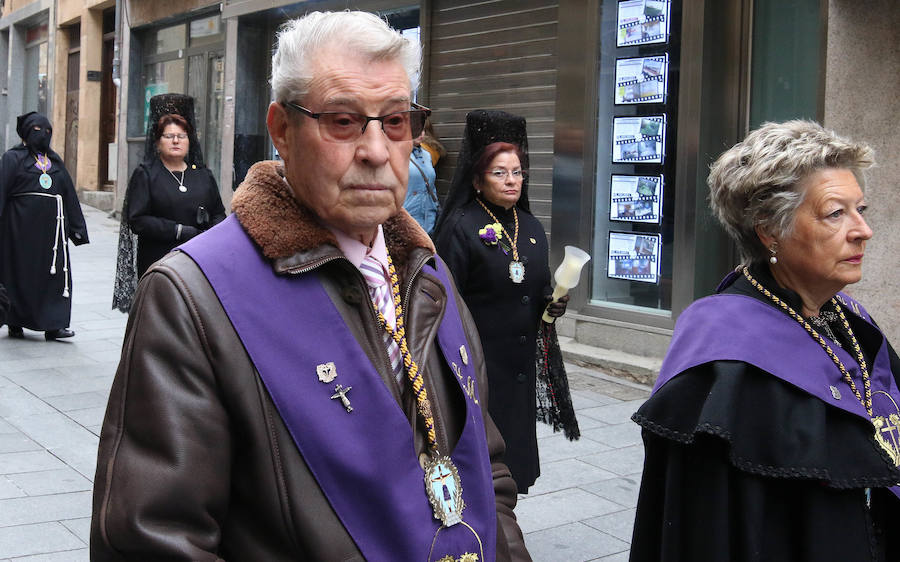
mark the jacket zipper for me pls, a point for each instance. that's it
(386, 363)
(312, 266)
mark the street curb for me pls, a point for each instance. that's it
(625, 367)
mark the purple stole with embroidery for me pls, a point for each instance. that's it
(364, 460)
(729, 327)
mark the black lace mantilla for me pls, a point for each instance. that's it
(483, 127)
(554, 401)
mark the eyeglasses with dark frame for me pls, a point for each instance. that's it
(342, 126)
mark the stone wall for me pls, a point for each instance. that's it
(862, 101)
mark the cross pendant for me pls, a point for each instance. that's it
(340, 393)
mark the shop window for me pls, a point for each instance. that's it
(35, 83)
(162, 78)
(167, 39)
(636, 124)
(187, 58)
(36, 33)
(109, 20)
(786, 61)
(74, 35)
(206, 31)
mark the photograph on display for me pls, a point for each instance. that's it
(641, 80)
(635, 198)
(642, 22)
(634, 256)
(639, 139)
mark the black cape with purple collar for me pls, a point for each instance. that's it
(728, 473)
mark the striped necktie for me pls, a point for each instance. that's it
(380, 292)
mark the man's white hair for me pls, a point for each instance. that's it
(361, 33)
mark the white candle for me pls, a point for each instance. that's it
(567, 275)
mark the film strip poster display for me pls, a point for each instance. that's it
(641, 80)
(635, 198)
(634, 256)
(639, 139)
(642, 22)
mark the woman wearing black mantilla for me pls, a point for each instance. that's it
(171, 196)
(772, 431)
(497, 251)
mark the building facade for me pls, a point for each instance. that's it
(56, 59)
(85, 101)
(627, 102)
(27, 75)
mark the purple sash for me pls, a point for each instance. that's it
(364, 460)
(728, 327)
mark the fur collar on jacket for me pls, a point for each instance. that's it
(282, 227)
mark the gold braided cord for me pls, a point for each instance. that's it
(423, 406)
(863, 367)
(43, 163)
(515, 240)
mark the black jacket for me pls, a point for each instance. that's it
(156, 207)
(508, 316)
(195, 463)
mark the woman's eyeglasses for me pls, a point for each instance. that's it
(339, 126)
(170, 136)
(500, 173)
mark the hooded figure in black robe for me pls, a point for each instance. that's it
(39, 214)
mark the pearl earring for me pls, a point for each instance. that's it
(772, 249)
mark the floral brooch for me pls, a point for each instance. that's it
(491, 234)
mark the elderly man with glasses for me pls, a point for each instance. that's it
(303, 381)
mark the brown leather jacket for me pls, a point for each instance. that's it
(195, 462)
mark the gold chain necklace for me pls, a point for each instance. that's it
(43, 164)
(439, 469)
(880, 423)
(516, 268)
(863, 367)
(409, 365)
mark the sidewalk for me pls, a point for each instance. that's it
(53, 397)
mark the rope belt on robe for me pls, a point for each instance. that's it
(60, 236)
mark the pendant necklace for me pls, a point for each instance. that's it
(181, 186)
(443, 485)
(878, 421)
(516, 268)
(822, 323)
(43, 164)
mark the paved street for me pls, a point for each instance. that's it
(53, 396)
